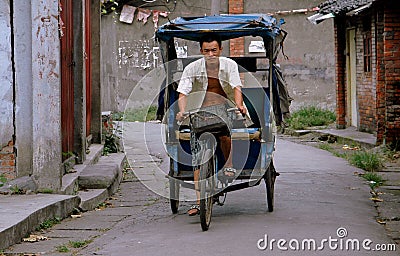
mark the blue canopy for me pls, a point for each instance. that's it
(227, 27)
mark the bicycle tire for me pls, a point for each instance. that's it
(207, 186)
(269, 178)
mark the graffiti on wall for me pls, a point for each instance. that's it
(143, 54)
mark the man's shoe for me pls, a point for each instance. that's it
(229, 172)
(194, 210)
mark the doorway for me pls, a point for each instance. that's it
(352, 109)
(67, 78)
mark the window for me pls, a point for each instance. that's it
(367, 42)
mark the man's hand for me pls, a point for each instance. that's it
(180, 116)
(242, 109)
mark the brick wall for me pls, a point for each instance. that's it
(378, 91)
(366, 84)
(236, 6)
(392, 70)
(380, 79)
(236, 46)
(340, 79)
(7, 161)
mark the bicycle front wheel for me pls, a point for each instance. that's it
(207, 187)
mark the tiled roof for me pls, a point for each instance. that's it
(341, 6)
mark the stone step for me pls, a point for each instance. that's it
(99, 181)
(91, 198)
(70, 180)
(21, 214)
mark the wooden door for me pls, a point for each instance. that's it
(67, 78)
(352, 109)
(88, 62)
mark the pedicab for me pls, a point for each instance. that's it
(252, 145)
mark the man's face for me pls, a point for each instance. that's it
(211, 50)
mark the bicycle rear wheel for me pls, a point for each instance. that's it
(207, 187)
(174, 187)
(269, 178)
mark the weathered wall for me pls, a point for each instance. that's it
(46, 94)
(30, 89)
(128, 52)
(6, 93)
(6, 85)
(23, 88)
(310, 68)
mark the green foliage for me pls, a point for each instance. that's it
(374, 179)
(117, 116)
(391, 154)
(79, 244)
(341, 155)
(15, 190)
(108, 6)
(3, 180)
(62, 248)
(48, 223)
(310, 116)
(366, 160)
(141, 114)
(332, 150)
(326, 147)
(111, 138)
(46, 191)
(67, 154)
(110, 144)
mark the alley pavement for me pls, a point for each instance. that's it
(340, 196)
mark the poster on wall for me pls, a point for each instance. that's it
(256, 46)
(181, 51)
(127, 14)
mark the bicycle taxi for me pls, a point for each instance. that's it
(252, 145)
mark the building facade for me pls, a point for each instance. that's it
(50, 80)
(131, 52)
(367, 43)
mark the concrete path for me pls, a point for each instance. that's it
(318, 198)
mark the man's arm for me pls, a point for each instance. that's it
(239, 99)
(182, 101)
(236, 83)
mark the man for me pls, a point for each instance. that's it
(218, 78)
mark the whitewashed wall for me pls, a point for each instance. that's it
(6, 76)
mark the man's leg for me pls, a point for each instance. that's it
(225, 143)
(196, 176)
(196, 184)
(226, 147)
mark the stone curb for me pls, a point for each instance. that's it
(21, 214)
(97, 188)
(24, 213)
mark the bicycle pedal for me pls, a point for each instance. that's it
(216, 200)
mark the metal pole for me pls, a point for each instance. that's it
(215, 7)
(270, 78)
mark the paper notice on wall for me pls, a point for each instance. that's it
(127, 14)
(143, 15)
(256, 46)
(156, 14)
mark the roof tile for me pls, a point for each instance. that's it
(338, 7)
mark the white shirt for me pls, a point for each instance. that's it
(195, 75)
